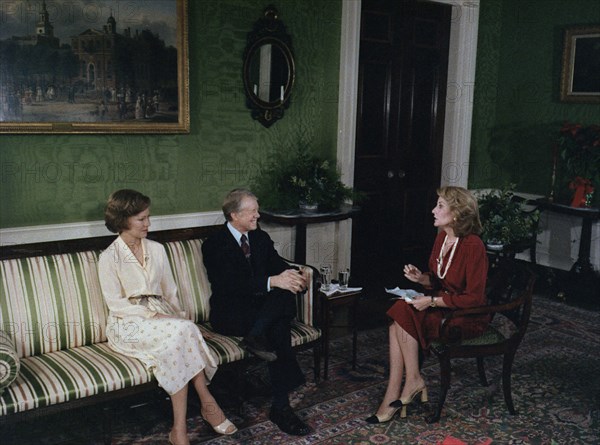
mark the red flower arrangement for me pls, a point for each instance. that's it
(583, 192)
(579, 149)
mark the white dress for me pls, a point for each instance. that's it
(173, 349)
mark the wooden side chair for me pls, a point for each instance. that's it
(509, 293)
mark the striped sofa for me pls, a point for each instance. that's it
(53, 349)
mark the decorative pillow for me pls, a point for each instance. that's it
(9, 361)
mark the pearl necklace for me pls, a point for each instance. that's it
(440, 259)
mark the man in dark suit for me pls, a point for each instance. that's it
(254, 296)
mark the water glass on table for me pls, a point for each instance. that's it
(325, 272)
(343, 278)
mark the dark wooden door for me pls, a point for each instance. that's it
(403, 67)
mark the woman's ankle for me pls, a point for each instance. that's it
(178, 436)
(411, 386)
(213, 414)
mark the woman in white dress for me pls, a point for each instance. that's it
(145, 318)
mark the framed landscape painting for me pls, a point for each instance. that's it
(580, 80)
(107, 66)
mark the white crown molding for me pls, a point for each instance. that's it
(55, 232)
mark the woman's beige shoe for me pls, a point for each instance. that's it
(403, 403)
(224, 428)
(381, 419)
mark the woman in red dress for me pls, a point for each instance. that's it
(456, 279)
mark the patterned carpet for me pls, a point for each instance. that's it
(556, 390)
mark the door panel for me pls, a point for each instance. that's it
(402, 86)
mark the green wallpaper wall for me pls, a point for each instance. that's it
(517, 112)
(49, 179)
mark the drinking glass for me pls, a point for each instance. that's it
(343, 277)
(325, 272)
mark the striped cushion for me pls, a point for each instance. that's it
(190, 275)
(62, 376)
(302, 333)
(9, 361)
(52, 303)
(226, 349)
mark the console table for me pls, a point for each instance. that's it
(582, 266)
(301, 219)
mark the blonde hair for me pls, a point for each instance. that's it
(463, 206)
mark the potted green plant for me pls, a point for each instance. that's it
(505, 220)
(297, 179)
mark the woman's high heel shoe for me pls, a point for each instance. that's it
(224, 427)
(402, 404)
(383, 419)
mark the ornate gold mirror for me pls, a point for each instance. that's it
(268, 68)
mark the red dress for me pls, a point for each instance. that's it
(462, 287)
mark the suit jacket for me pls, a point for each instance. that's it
(238, 285)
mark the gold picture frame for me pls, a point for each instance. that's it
(580, 65)
(106, 67)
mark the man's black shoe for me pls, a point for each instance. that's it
(288, 421)
(257, 346)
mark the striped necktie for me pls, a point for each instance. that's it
(245, 246)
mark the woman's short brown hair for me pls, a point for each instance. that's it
(463, 206)
(233, 201)
(120, 206)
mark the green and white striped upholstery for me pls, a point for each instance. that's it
(71, 374)
(52, 303)
(52, 309)
(193, 287)
(305, 302)
(9, 361)
(194, 293)
(53, 325)
(303, 333)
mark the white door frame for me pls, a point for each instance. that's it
(459, 100)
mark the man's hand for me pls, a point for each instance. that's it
(290, 279)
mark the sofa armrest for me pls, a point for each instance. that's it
(306, 304)
(9, 361)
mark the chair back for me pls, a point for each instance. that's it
(510, 292)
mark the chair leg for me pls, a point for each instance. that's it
(421, 358)
(107, 414)
(445, 376)
(481, 371)
(506, 378)
(240, 369)
(317, 362)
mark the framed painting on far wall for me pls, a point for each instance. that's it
(580, 80)
(81, 67)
